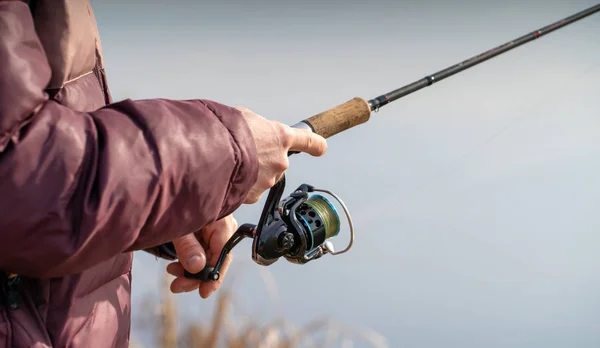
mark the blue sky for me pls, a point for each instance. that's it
(475, 200)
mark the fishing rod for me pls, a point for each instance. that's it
(358, 110)
(299, 228)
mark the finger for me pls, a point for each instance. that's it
(304, 140)
(234, 224)
(216, 241)
(190, 252)
(223, 229)
(180, 283)
(176, 269)
(255, 194)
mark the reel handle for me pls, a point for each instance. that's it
(206, 274)
(214, 272)
(340, 118)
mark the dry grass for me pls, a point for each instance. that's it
(222, 331)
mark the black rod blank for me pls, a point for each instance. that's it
(384, 99)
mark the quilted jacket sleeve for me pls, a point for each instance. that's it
(79, 188)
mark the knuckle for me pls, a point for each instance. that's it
(271, 182)
(253, 198)
(286, 134)
(188, 248)
(182, 243)
(282, 166)
(185, 246)
(308, 141)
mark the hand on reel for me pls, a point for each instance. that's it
(298, 228)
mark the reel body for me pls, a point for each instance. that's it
(298, 228)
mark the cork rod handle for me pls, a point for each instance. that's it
(340, 118)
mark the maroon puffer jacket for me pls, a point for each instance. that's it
(84, 182)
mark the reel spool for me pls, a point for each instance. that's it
(298, 228)
(320, 220)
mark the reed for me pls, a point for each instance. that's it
(223, 331)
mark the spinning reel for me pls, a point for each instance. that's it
(298, 228)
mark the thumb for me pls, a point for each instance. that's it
(304, 140)
(190, 253)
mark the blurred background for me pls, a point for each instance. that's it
(475, 200)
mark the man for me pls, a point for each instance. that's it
(85, 181)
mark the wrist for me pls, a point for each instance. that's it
(245, 173)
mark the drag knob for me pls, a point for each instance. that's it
(287, 240)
